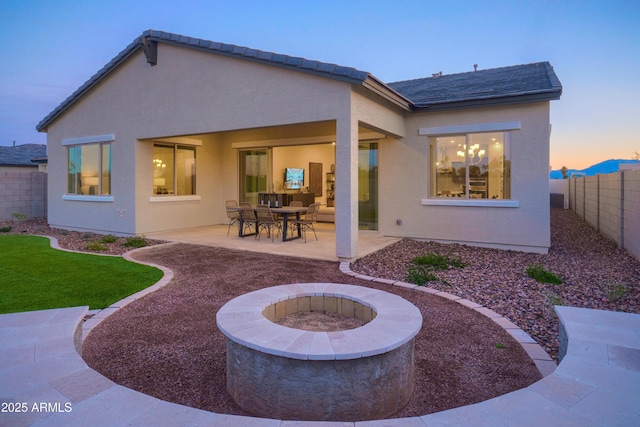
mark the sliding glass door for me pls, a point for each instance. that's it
(254, 174)
(368, 185)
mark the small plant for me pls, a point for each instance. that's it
(109, 238)
(541, 275)
(500, 345)
(135, 242)
(422, 270)
(87, 236)
(19, 216)
(95, 247)
(439, 262)
(6, 229)
(420, 275)
(555, 300)
(616, 291)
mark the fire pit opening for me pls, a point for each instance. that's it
(319, 313)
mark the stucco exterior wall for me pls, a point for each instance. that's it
(187, 93)
(222, 102)
(404, 182)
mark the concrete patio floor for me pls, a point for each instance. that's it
(324, 248)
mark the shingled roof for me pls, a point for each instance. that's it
(518, 83)
(22, 155)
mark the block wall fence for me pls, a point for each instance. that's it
(610, 203)
(23, 193)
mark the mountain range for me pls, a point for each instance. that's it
(608, 166)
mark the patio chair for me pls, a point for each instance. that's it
(249, 219)
(266, 221)
(232, 214)
(306, 223)
(295, 204)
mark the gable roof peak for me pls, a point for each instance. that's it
(148, 40)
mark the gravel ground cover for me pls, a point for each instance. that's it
(167, 344)
(595, 274)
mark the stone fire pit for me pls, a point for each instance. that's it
(292, 374)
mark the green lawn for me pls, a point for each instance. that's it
(33, 276)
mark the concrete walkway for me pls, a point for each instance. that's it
(45, 382)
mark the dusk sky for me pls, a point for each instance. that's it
(50, 48)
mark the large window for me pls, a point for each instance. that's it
(89, 169)
(471, 166)
(174, 170)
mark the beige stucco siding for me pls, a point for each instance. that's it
(192, 92)
(404, 183)
(187, 93)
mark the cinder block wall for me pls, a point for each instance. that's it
(611, 204)
(23, 193)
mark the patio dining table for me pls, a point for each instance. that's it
(286, 212)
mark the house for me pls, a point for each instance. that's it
(23, 181)
(23, 158)
(173, 126)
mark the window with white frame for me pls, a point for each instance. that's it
(471, 166)
(89, 169)
(174, 170)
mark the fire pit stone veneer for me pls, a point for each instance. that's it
(358, 374)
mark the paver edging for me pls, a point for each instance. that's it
(538, 355)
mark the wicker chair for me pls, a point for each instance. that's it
(232, 214)
(249, 219)
(267, 222)
(307, 222)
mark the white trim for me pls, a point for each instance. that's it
(161, 199)
(470, 128)
(83, 198)
(486, 203)
(179, 141)
(89, 139)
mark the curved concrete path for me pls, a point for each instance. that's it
(44, 378)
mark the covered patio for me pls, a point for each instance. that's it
(323, 249)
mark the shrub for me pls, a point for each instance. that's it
(541, 275)
(420, 275)
(109, 238)
(616, 291)
(6, 229)
(95, 246)
(135, 242)
(19, 216)
(424, 266)
(439, 262)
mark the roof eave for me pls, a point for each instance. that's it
(552, 95)
(205, 46)
(379, 88)
(89, 84)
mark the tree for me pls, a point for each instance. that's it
(636, 155)
(565, 171)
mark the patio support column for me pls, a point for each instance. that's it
(346, 187)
